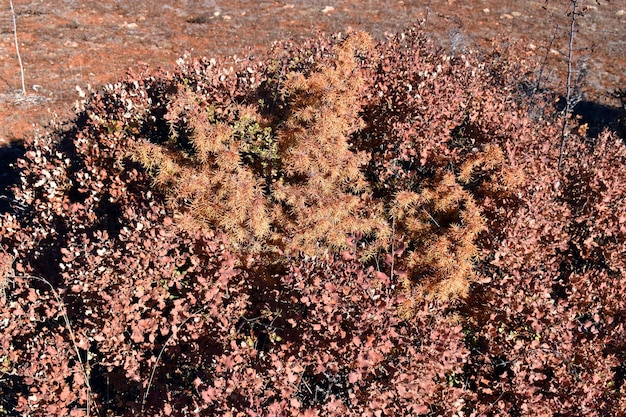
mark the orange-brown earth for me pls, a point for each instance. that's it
(70, 43)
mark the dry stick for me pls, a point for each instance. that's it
(393, 237)
(427, 14)
(156, 364)
(431, 217)
(569, 82)
(17, 48)
(543, 64)
(68, 325)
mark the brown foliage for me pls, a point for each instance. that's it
(290, 184)
(344, 229)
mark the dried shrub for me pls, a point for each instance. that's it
(296, 164)
(346, 228)
(288, 183)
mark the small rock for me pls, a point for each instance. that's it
(506, 16)
(328, 9)
(621, 12)
(486, 10)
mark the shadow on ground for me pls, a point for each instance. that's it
(9, 174)
(599, 116)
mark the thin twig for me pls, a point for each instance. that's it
(68, 325)
(17, 48)
(492, 404)
(427, 14)
(393, 254)
(154, 368)
(431, 218)
(544, 63)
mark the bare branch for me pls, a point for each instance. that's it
(17, 48)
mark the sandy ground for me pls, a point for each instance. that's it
(69, 43)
